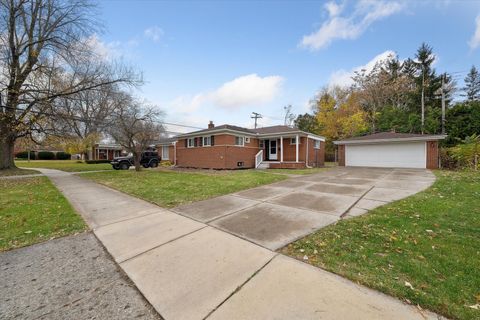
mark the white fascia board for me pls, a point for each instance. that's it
(370, 141)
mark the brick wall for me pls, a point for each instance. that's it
(222, 155)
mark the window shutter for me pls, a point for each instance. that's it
(195, 142)
(212, 140)
(186, 143)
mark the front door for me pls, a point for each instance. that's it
(272, 150)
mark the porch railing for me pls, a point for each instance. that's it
(258, 158)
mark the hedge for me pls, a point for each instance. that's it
(24, 155)
(63, 155)
(97, 161)
(46, 155)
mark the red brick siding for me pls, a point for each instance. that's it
(287, 165)
(316, 157)
(222, 155)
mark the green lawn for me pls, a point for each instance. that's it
(16, 172)
(297, 171)
(64, 165)
(424, 249)
(33, 210)
(169, 188)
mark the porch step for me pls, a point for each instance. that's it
(263, 166)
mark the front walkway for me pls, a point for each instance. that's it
(191, 270)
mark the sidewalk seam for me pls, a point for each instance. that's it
(240, 287)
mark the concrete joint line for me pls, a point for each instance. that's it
(353, 204)
(240, 287)
(123, 220)
(160, 245)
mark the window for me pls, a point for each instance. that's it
(207, 141)
(293, 140)
(316, 144)
(239, 141)
(165, 153)
(247, 139)
(191, 142)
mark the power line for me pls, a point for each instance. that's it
(75, 118)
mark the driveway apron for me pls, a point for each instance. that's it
(216, 259)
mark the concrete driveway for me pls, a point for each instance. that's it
(275, 215)
(189, 269)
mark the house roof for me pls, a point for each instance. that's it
(265, 131)
(390, 137)
(275, 129)
(166, 141)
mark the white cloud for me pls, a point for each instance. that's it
(349, 26)
(248, 90)
(153, 33)
(343, 78)
(111, 50)
(475, 39)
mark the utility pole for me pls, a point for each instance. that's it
(256, 116)
(443, 104)
(423, 99)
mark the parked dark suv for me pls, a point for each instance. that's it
(149, 159)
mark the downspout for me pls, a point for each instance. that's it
(175, 153)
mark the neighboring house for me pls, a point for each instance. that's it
(106, 151)
(390, 150)
(232, 147)
(166, 149)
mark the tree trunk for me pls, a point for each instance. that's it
(7, 145)
(136, 160)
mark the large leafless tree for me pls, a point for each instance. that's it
(136, 127)
(45, 56)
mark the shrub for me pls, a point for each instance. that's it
(24, 155)
(63, 155)
(46, 155)
(97, 161)
(166, 163)
(467, 154)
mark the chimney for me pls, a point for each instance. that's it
(211, 125)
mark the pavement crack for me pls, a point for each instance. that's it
(240, 286)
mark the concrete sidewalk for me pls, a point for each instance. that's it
(189, 270)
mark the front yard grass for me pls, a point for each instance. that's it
(64, 165)
(33, 210)
(297, 171)
(170, 189)
(424, 249)
(16, 172)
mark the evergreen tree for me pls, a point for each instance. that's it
(472, 85)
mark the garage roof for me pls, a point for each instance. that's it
(382, 137)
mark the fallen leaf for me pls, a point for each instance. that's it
(475, 306)
(305, 257)
(409, 285)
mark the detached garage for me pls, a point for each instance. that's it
(390, 150)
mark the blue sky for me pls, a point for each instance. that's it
(221, 60)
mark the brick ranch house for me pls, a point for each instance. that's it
(232, 147)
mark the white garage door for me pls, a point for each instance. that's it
(391, 155)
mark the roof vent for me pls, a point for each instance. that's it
(211, 125)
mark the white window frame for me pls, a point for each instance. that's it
(209, 139)
(294, 140)
(163, 152)
(316, 144)
(243, 141)
(192, 145)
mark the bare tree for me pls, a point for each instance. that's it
(136, 127)
(43, 54)
(289, 116)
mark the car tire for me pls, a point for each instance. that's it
(124, 166)
(115, 168)
(145, 165)
(154, 164)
